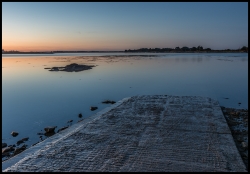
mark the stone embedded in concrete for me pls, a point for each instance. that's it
(140, 134)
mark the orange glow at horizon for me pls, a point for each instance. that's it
(58, 47)
(66, 43)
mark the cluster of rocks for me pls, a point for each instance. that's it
(12, 150)
(237, 120)
(74, 67)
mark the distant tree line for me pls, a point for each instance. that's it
(186, 49)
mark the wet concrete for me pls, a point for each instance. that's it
(140, 134)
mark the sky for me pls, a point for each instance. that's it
(109, 26)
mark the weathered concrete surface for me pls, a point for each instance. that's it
(141, 133)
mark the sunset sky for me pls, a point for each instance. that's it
(46, 26)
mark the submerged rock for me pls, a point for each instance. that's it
(22, 141)
(108, 102)
(39, 133)
(4, 145)
(19, 142)
(5, 154)
(50, 129)
(92, 108)
(48, 134)
(20, 149)
(70, 121)
(79, 120)
(14, 134)
(80, 115)
(59, 130)
(25, 139)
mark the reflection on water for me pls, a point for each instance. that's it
(34, 98)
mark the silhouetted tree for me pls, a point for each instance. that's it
(244, 48)
(193, 49)
(177, 48)
(200, 48)
(185, 49)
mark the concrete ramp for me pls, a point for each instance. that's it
(156, 133)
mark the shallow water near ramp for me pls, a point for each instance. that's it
(34, 98)
(148, 133)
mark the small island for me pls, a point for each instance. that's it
(74, 67)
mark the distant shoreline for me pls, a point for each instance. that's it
(132, 51)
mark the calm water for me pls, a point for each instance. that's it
(33, 97)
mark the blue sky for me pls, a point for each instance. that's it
(118, 26)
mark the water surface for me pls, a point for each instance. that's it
(33, 97)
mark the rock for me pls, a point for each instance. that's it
(4, 145)
(108, 102)
(70, 121)
(50, 129)
(92, 108)
(62, 129)
(25, 139)
(8, 149)
(19, 142)
(80, 115)
(22, 141)
(19, 150)
(5, 154)
(14, 134)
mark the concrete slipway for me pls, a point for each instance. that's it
(140, 134)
